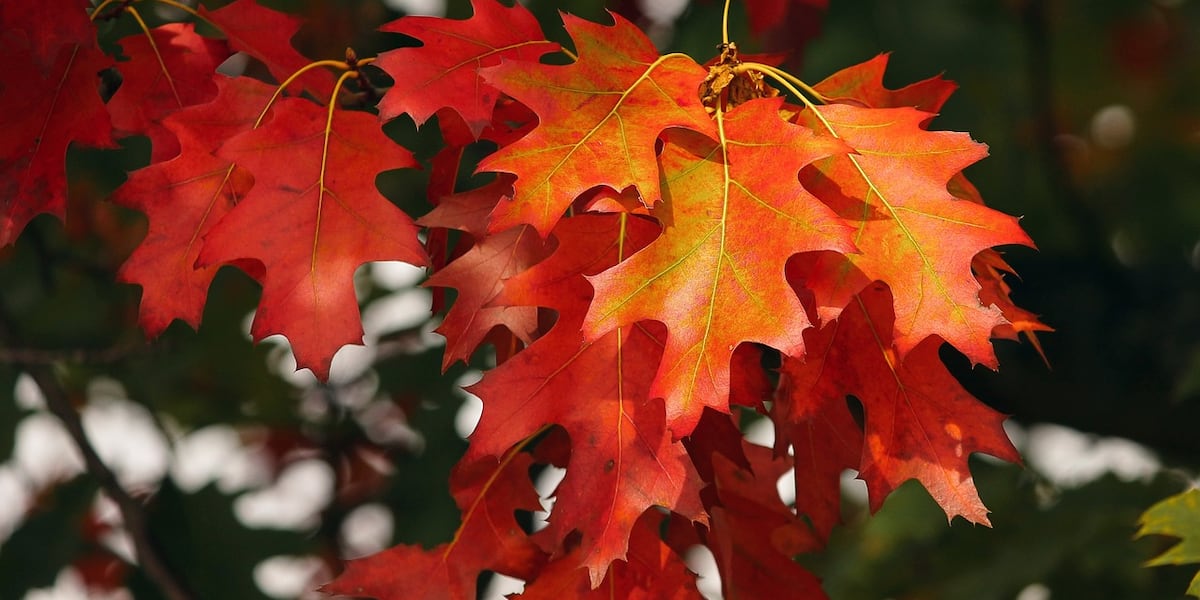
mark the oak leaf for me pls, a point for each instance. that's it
(910, 231)
(312, 217)
(42, 113)
(990, 269)
(733, 213)
(266, 34)
(171, 69)
(47, 26)
(765, 15)
(487, 491)
(863, 84)
(811, 417)
(920, 422)
(651, 571)
(183, 198)
(444, 71)
(479, 275)
(754, 535)
(623, 460)
(598, 119)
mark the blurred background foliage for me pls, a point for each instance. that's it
(1091, 109)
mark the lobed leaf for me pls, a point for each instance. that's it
(598, 119)
(444, 71)
(1177, 516)
(313, 216)
(733, 213)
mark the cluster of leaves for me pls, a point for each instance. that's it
(654, 232)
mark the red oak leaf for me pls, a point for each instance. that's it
(468, 211)
(266, 34)
(811, 416)
(863, 84)
(651, 571)
(990, 269)
(754, 535)
(183, 198)
(235, 109)
(623, 460)
(42, 113)
(598, 120)
(920, 423)
(48, 26)
(479, 275)
(749, 384)
(767, 14)
(733, 214)
(173, 71)
(444, 72)
(487, 492)
(313, 216)
(910, 231)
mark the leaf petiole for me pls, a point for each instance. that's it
(189, 10)
(162, 64)
(792, 84)
(343, 65)
(95, 14)
(725, 25)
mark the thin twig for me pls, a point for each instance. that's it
(132, 512)
(45, 356)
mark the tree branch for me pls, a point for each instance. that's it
(133, 514)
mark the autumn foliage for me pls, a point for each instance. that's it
(664, 247)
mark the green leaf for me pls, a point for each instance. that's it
(1177, 516)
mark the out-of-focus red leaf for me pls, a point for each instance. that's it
(42, 113)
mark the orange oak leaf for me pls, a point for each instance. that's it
(910, 231)
(651, 571)
(266, 34)
(754, 535)
(162, 76)
(444, 71)
(42, 113)
(598, 119)
(733, 214)
(863, 84)
(479, 275)
(920, 423)
(990, 269)
(183, 198)
(313, 216)
(487, 491)
(623, 460)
